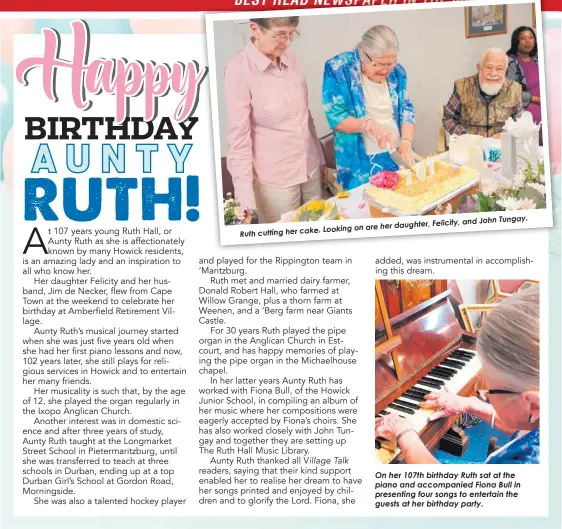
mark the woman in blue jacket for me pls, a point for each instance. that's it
(365, 99)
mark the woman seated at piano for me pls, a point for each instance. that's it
(508, 347)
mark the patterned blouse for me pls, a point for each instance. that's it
(524, 450)
(343, 97)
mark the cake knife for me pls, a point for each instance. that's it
(400, 160)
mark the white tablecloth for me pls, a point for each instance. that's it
(354, 207)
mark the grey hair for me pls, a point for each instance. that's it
(509, 341)
(495, 50)
(266, 23)
(379, 40)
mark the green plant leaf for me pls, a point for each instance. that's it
(529, 192)
(534, 195)
(481, 202)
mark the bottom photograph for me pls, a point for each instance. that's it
(457, 371)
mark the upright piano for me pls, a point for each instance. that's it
(433, 351)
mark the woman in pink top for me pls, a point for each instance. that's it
(274, 155)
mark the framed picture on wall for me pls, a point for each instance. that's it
(482, 21)
(534, 16)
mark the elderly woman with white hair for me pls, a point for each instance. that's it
(508, 347)
(482, 103)
(365, 99)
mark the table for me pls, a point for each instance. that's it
(354, 207)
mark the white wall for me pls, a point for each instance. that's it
(474, 291)
(433, 49)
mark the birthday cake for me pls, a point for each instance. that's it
(407, 191)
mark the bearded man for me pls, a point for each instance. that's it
(482, 103)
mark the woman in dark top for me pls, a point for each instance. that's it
(523, 67)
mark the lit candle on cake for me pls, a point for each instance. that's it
(431, 167)
(408, 177)
(420, 171)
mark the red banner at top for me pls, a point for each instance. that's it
(71, 6)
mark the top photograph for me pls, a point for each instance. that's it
(380, 116)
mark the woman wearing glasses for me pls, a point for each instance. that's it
(365, 99)
(508, 347)
(274, 155)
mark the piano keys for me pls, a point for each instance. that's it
(435, 354)
(442, 376)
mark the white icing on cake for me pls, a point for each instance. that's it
(421, 193)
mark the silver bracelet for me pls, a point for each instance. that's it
(364, 123)
(402, 433)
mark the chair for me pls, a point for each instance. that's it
(327, 143)
(227, 185)
(482, 308)
(503, 288)
(463, 311)
(330, 178)
(442, 134)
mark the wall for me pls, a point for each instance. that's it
(433, 49)
(474, 291)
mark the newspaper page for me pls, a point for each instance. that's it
(271, 265)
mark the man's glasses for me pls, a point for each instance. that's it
(482, 394)
(380, 66)
(284, 37)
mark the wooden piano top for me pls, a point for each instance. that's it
(428, 332)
